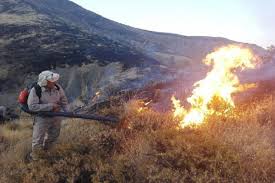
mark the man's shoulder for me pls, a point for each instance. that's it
(31, 90)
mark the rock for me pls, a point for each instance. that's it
(7, 114)
(3, 111)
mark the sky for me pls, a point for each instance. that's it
(250, 21)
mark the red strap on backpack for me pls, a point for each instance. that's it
(23, 96)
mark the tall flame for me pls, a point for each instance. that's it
(219, 85)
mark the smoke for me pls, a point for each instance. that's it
(264, 72)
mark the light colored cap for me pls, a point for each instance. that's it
(47, 76)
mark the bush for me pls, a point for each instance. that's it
(149, 146)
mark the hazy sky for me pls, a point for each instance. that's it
(250, 21)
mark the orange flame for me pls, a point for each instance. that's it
(220, 83)
(144, 106)
(179, 111)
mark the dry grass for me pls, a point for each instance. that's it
(149, 147)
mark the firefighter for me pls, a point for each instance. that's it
(46, 129)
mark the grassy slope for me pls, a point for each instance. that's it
(151, 149)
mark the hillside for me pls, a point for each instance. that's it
(32, 40)
(180, 120)
(49, 34)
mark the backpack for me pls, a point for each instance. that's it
(24, 95)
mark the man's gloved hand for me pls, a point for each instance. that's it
(56, 108)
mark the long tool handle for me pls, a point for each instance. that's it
(82, 116)
(71, 115)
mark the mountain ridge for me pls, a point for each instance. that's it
(48, 34)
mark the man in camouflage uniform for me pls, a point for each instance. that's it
(46, 129)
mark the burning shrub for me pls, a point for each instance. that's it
(139, 117)
(214, 92)
(151, 147)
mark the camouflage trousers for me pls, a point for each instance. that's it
(46, 130)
